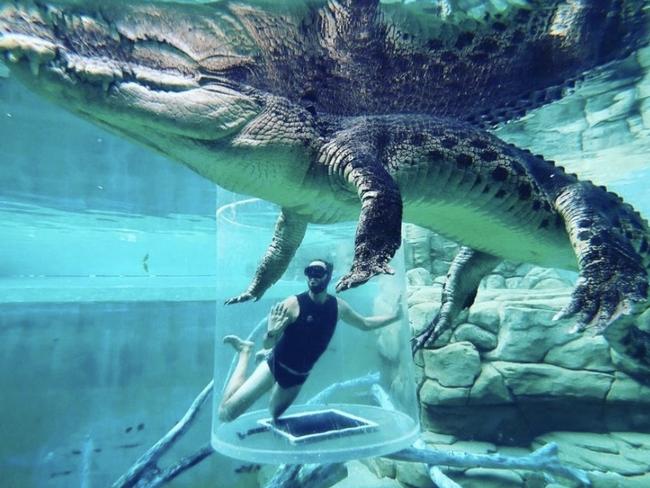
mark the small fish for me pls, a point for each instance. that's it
(145, 263)
(129, 446)
(60, 473)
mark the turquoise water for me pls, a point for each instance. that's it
(64, 256)
(110, 290)
(100, 280)
(96, 282)
(87, 387)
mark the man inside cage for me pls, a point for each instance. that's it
(299, 330)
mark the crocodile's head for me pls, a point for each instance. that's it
(164, 75)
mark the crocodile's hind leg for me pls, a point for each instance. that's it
(611, 242)
(607, 237)
(459, 291)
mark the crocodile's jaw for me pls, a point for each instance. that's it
(97, 65)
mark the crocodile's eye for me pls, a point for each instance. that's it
(237, 73)
(234, 68)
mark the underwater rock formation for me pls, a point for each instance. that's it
(507, 360)
(537, 371)
(616, 459)
(598, 129)
(507, 379)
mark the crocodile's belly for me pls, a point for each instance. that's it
(499, 233)
(320, 205)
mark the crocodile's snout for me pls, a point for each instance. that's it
(81, 48)
(108, 66)
(37, 52)
(26, 36)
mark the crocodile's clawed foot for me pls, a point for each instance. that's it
(606, 292)
(423, 339)
(427, 337)
(244, 297)
(360, 274)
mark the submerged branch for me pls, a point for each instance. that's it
(284, 474)
(145, 467)
(145, 473)
(149, 459)
(308, 476)
(441, 480)
(543, 459)
(181, 466)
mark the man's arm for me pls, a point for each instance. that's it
(281, 315)
(367, 323)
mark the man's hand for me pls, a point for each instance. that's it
(278, 319)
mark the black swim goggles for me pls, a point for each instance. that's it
(315, 272)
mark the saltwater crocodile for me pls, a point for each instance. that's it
(349, 109)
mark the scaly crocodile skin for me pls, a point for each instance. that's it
(345, 109)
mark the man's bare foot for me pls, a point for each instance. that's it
(240, 345)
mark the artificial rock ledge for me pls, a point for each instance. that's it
(508, 373)
(508, 379)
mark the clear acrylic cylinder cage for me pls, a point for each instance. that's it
(359, 399)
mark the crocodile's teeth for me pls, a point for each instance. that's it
(16, 46)
(93, 71)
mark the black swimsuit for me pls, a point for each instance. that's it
(303, 341)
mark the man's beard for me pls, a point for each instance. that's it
(319, 287)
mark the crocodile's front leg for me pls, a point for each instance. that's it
(378, 234)
(465, 273)
(288, 234)
(613, 280)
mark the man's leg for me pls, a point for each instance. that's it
(241, 393)
(282, 398)
(244, 348)
(253, 388)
